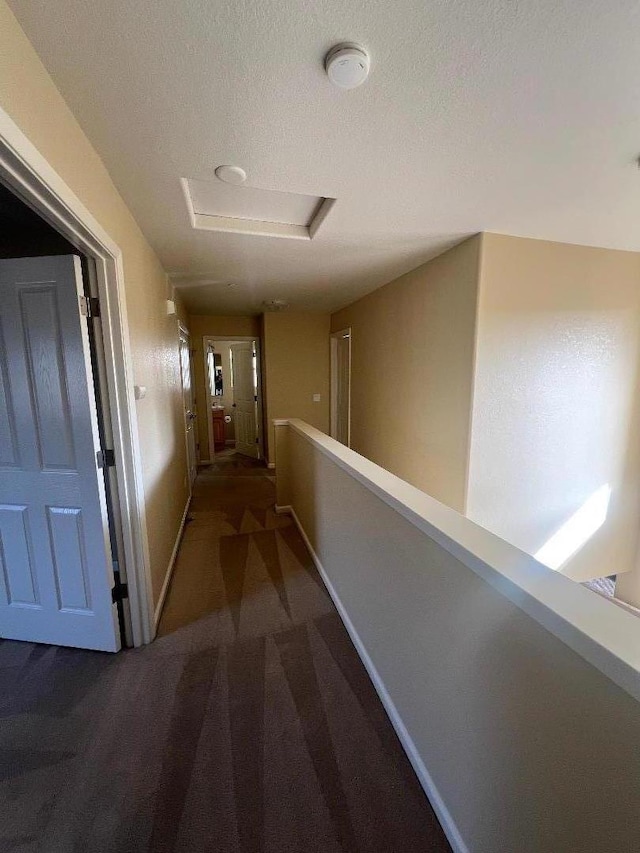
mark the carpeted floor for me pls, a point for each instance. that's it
(605, 586)
(250, 726)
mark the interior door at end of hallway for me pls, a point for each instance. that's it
(245, 404)
(56, 575)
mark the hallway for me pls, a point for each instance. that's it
(250, 725)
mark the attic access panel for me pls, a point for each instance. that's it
(216, 206)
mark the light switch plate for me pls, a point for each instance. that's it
(316, 398)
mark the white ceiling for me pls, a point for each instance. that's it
(498, 115)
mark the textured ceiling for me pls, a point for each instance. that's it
(497, 115)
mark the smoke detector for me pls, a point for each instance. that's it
(231, 174)
(275, 304)
(347, 65)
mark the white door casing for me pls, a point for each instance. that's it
(189, 413)
(341, 386)
(245, 395)
(55, 556)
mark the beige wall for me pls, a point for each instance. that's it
(216, 325)
(555, 414)
(296, 358)
(29, 96)
(412, 369)
(181, 310)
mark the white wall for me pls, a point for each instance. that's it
(525, 747)
(556, 403)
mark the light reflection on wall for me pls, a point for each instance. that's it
(576, 531)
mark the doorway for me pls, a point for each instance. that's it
(30, 178)
(341, 386)
(60, 536)
(233, 396)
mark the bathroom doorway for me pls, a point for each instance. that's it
(234, 398)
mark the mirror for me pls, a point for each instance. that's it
(214, 360)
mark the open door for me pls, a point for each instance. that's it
(245, 398)
(187, 396)
(56, 575)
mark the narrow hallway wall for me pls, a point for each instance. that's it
(296, 358)
(412, 372)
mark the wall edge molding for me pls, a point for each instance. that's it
(170, 567)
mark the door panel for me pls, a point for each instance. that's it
(8, 437)
(55, 558)
(69, 557)
(21, 585)
(244, 399)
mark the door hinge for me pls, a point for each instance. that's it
(119, 592)
(106, 458)
(89, 306)
(257, 441)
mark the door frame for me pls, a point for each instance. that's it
(335, 337)
(183, 332)
(30, 177)
(233, 339)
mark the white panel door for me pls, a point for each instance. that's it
(55, 559)
(245, 398)
(187, 398)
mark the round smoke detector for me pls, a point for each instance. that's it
(347, 65)
(231, 174)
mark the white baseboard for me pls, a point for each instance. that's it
(271, 465)
(444, 816)
(172, 562)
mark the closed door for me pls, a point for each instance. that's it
(56, 574)
(245, 396)
(187, 397)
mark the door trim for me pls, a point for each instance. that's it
(183, 334)
(26, 173)
(260, 415)
(335, 336)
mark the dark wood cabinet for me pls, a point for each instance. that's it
(218, 428)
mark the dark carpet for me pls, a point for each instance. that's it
(249, 726)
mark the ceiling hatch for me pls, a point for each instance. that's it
(216, 206)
